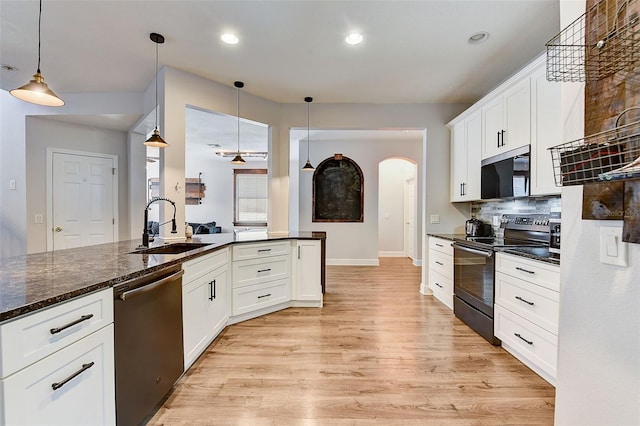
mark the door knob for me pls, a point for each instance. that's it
(57, 229)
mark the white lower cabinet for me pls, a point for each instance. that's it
(441, 270)
(527, 303)
(308, 272)
(74, 386)
(205, 302)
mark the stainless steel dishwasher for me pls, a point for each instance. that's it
(148, 342)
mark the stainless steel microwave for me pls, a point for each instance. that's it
(506, 175)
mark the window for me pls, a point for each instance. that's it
(250, 197)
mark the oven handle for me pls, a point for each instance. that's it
(145, 288)
(474, 251)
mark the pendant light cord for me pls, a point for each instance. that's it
(238, 115)
(157, 112)
(39, 31)
(308, 137)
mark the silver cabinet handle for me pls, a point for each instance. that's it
(71, 324)
(264, 295)
(438, 285)
(264, 270)
(528, 342)
(263, 250)
(439, 263)
(525, 270)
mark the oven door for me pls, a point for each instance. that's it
(474, 277)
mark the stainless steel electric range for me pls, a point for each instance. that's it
(474, 263)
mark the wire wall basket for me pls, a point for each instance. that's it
(610, 155)
(603, 41)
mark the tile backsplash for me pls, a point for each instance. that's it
(486, 210)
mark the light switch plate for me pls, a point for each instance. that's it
(435, 218)
(612, 250)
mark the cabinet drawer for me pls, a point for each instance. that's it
(442, 288)
(250, 272)
(203, 264)
(536, 345)
(541, 273)
(30, 338)
(257, 251)
(443, 246)
(441, 263)
(87, 397)
(258, 296)
(533, 302)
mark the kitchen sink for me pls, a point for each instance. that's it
(175, 248)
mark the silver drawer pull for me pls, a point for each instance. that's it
(528, 342)
(525, 301)
(84, 368)
(439, 245)
(525, 270)
(264, 295)
(438, 285)
(263, 250)
(439, 263)
(71, 324)
(264, 270)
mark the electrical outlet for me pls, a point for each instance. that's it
(39, 218)
(435, 218)
(12, 184)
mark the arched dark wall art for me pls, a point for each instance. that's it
(338, 191)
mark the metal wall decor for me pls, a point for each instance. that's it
(338, 191)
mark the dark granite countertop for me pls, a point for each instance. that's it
(35, 281)
(449, 237)
(536, 253)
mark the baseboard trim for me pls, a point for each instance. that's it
(417, 262)
(391, 254)
(425, 290)
(353, 262)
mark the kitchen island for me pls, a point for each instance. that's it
(71, 319)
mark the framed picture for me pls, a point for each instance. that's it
(338, 191)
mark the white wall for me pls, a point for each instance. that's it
(393, 174)
(599, 335)
(43, 133)
(13, 165)
(354, 243)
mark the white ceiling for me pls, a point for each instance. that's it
(413, 52)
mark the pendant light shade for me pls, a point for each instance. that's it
(36, 91)
(238, 158)
(156, 140)
(308, 167)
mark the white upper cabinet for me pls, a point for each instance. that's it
(546, 130)
(507, 119)
(466, 140)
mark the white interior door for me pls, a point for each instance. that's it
(409, 217)
(82, 202)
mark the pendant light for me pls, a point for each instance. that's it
(238, 158)
(308, 167)
(156, 140)
(37, 91)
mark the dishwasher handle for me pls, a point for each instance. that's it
(472, 250)
(149, 287)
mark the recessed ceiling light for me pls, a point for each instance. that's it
(354, 38)
(479, 37)
(229, 38)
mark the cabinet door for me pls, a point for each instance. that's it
(473, 148)
(308, 272)
(205, 310)
(546, 131)
(218, 302)
(458, 161)
(83, 377)
(492, 120)
(517, 115)
(195, 318)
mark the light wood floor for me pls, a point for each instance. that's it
(378, 353)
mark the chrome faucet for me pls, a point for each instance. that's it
(145, 231)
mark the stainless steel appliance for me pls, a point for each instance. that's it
(477, 228)
(474, 262)
(148, 342)
(506, 175)
(554, 234)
